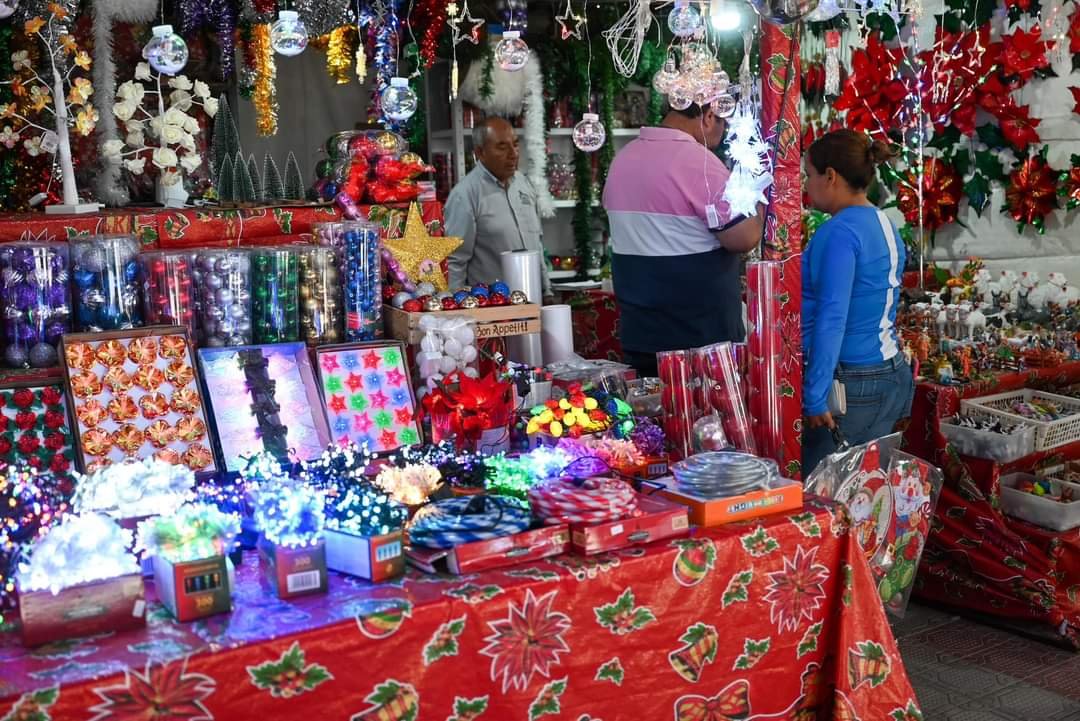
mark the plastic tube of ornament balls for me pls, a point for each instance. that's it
(724, 391)
(765, 343)
(674, 371)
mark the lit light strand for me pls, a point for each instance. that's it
(291, 515)
(81, 549)
(134, 488)
(191, 533)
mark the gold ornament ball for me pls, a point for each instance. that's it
(469, 302)
(518, 297)
(411, 159)
(311, 305)
(433, 304)
(305, 292)
(387, 141)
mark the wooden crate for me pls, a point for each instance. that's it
(495, 322)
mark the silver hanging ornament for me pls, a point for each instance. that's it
(783, 12)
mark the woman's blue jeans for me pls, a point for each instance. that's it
(878, 396)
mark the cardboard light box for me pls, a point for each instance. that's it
(294, 572)
(376, 558)
(784, 495)
(659, 519)
(193, 589)
(113, 604)
(530, 545)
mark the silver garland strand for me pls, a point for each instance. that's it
(323, 16)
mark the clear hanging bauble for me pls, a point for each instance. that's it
(684, 20)
(8, 8)
(288, 36)
(589, 134)
(166, 52)
(665, 78)
(723, 105)
(511, 53)
(783, 12)
(398, 101)
(681, 95)
(826, 10)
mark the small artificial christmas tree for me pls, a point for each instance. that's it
(226, 140)
(294, 181)
(225, 181)
(272, 187)
(243, 188)
(256, 182)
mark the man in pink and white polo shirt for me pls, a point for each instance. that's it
(675, 246)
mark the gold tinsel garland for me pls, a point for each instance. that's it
(339, 55)
(265, 95)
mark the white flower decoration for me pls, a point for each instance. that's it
(135, 166)
(190, 162)
(33, 146)
(180, 99)
(191, 125)
(202, 90)
(180, 82)
(174, 116)
(188, 142)
(20, 61)
(135, 139)
(164, 158)
(124, 110)
(112, 150)
(9, 137)
(210, 105)
(171, 135)
(142, 71)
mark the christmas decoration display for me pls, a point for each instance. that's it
(684, 20)
(411, 484)
(36, 302)
(290, 515)
(222, 288)
(692, 74)
(419, 254)
(470, 411)
(448, 345)
(751, 174)
(32, 504)
(65, 95)
(131, 489)
(398, 101)
(511, 52)
(357, 245)
(264, 97)
(218, 15)
(321, 313)
(80, 549)
(106, 281)
(133, 394)
(275, 295)
(589, 133)
(453, 521)
(576, 415)
(192, 532)
(288, 36)
(263, 398)
(168, 294)
(463, 26)
(722, 393)
(166, 51)
(367, 396)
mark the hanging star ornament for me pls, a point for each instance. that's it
(463, 26)
(420, 254)
(570, 23)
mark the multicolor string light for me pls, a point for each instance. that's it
(364, 510)
(291, 515)
(191, 533)
(31, 505)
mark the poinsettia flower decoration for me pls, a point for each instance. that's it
(1025, 52)
(1017, 125)
(953, 74)
(1032, 192)
(167, 138)
(873, 93)
(942, 189)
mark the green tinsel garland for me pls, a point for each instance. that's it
(417, 124)
(487, 80)
(7, 162)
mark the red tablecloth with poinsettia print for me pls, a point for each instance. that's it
(777, 619)
(976, 557)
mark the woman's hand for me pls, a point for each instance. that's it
(823, 420)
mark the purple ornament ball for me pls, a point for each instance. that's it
(54, 330)
(56, 295)
(16, 356)
(24, 296)
(42, 355)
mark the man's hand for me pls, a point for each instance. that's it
(824, 420)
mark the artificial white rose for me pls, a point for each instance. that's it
(191, 125)
(171, 135)
(131, 92)
(180, 99)
(135, 166)
(124, 110)
(188, 142)
(112, 150)
(210, 105)
(134, 126)
(156, 124)
(202, 90)
(180, 82)
(164, 158)
(135, 139)
(190, 162)
(170, 177)
(174, 116)
(142, 71)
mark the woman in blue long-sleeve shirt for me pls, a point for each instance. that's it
(851, 286)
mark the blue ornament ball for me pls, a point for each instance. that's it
(481, 291)
(500, 287)
(330, 189)
(84, 278)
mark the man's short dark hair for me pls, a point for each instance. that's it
(692, 111)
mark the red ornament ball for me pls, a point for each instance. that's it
(448, 304)
(498, 299)
(412, 306)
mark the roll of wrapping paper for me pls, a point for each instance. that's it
(722, 390)
(320, 295)
(275, 295)
(674, 368)
(521, 271)
(765, 345)
(593, 501)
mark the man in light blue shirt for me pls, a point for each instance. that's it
(493, 210)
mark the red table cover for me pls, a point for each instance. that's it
(776, 618)
(595, 319)
(976, 557)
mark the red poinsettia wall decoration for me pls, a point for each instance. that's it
(1032, 192)
(873, 94)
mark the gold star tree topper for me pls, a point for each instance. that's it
(420, 254)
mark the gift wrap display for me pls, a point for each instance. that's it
(36, 302)
(135, 394)
(264, 398)
(367, 396)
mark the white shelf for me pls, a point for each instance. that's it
(572, 203)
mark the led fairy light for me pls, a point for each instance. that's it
(364, 510)
(751, 173)
(32, 504)
(191, 533)
(337, 467)
(81, 549)
(262, 467)
(411, 484)
(134, 488)
(291, 515)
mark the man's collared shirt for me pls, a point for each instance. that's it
(491, 219)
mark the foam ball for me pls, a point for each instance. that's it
(468, 354)
(464, 335)
(453, 348)
(447, 364)
(430, 343)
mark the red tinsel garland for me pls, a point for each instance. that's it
(431, 16)
(942, 189)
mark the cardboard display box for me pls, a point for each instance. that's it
(530, 545)
(659, 519)
(499, 321)
(113, 604)
(193, 589)
(785, 495)
(376, 558)
(294, 572)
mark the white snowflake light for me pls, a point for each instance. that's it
(134, 488)
(81, 549)
(751, 175)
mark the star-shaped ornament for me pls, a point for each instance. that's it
(463, 26)
(570, 23)
(420, 254)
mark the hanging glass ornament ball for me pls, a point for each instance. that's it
(398, 101)
(589, 134)
(8, 8)
(684, 20)
(783, 12)
(166, 52)
(288, 36)
(665, 78)
(681, 95)
(511, 53)
(723, 105)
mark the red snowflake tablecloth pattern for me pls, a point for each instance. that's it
(976, 557)
(773, 619)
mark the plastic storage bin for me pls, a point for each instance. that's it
(1043, 512)
(1000, 447)
(1048, 434)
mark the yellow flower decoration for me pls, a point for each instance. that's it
(81, 90)
(86, 120)
(67, 41)
(58, 11)
(33, 26)
(82, 59)
(7, 111)
(39, 97)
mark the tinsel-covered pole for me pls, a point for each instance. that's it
(265, 95)
(386, 53)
